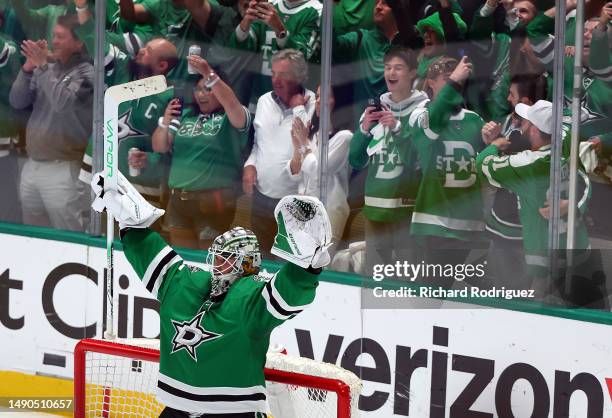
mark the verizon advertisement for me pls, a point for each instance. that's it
(446, 362)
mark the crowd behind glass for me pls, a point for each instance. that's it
(438, 149)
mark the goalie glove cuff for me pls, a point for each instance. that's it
(126, 205)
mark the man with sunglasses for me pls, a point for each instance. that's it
(215, 325)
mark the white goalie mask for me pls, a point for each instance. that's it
(232, 255)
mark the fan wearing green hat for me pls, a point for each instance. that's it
(438, 30)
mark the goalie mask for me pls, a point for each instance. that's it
(232, 255)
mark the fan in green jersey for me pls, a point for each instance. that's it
(215, 325)
(206, 143)
(527, 175)
(383, 144)
(596, 88)
(448, 216)
(268, 27)
(128, 36)
(505, 258)
(138, 119)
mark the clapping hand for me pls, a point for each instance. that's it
(35, 53)
(299, 136)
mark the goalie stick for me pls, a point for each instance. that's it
(113, 97)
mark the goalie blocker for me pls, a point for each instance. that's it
(215, 325)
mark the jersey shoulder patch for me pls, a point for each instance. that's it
(194, 269)
(263, 276)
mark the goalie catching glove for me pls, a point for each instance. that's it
(304, 231)
(126, 205)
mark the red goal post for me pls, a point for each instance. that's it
(118, 377)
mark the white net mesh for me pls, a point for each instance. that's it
(120, 386)
(118, 383)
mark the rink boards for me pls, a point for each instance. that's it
(424, 358)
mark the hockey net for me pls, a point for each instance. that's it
(118, 379)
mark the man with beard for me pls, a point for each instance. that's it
(505, 259)
(527, 175)
(60, 93)
(138, 119)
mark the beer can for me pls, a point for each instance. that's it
(193, 50)
(134, 172)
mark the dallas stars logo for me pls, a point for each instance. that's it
(190, 334)
(125, 128)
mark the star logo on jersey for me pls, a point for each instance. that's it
(125, 128)
(463, 164)
(190, 334)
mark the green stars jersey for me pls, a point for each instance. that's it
(392, 180)
(207, 152)
(301, 19)
(527, 175)
(449, 201)
(9, 67)
(596, 90)
(137, 122)
(126, 35)
(212, 357)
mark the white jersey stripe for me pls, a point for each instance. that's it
(452, 223)
(199, 407)
(162, 273)
(277, 296)
(146, 278)
(224, 390)
(266, 295)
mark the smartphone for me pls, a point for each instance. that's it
(375, 103)
(181, 103)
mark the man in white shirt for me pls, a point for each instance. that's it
(267, 175)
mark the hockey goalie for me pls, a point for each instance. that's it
(215, 325)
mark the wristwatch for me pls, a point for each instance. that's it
(282, 34)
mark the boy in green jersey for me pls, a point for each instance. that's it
(215, 325)
(382, 143)
(448, 216)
